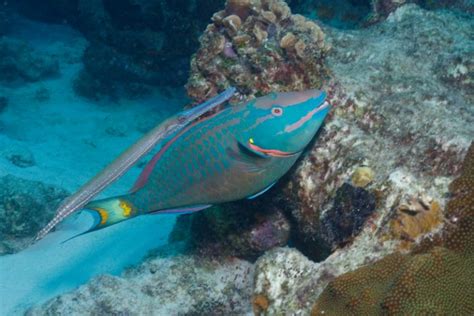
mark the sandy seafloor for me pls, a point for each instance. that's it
(71, 139)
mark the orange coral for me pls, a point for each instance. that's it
(436, 282)
(415, 219)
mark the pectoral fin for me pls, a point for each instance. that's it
(182, 210)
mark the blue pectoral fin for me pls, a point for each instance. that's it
(261, 192)
(182, 210)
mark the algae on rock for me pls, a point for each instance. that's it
(432, 280)
(259, 47)
(25, 207)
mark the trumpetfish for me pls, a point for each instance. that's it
(236, 153)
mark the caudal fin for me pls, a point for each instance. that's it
(108, 212)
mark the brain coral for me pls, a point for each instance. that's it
(437, 281)
(258, 46)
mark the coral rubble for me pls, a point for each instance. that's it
(258, 47)
(25, 207)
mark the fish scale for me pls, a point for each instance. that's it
(193, 146)
(233, 154)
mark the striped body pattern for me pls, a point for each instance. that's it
(206, 165)
(231, 155)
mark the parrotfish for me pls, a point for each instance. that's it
(236, 153)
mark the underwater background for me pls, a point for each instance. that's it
(377, 217)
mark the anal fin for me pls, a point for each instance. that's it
(182, 210)
(261, 192)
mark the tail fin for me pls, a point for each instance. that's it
(108, 212)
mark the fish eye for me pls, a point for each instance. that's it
(277, 111)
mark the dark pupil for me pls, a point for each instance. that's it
(277, 111)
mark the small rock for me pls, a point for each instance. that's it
(20, 156)
(362, 176)
(25, 207)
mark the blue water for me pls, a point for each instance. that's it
(50, 267)
(71, 138)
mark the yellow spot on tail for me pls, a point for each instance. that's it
(126, 207)
(251, 141)
(103, 215)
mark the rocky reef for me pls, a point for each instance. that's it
(258, 47)
(25, 207)
(375, 123)
(387, 115)
(436, 278)
(168, 284)
(244, 229)
(338, 13)
(133, 45)
(382, 8)
(369, 209)
(348, 14)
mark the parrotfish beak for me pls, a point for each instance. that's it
(284, 123)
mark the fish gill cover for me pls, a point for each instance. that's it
(82, 79)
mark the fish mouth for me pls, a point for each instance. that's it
(263, 152)
(271, 152)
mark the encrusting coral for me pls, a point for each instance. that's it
(414, 219)
(435, 279)
(258, 46)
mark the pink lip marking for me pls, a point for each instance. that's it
(304, 119)
(270, 152)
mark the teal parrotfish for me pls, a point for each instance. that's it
(236, 153)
